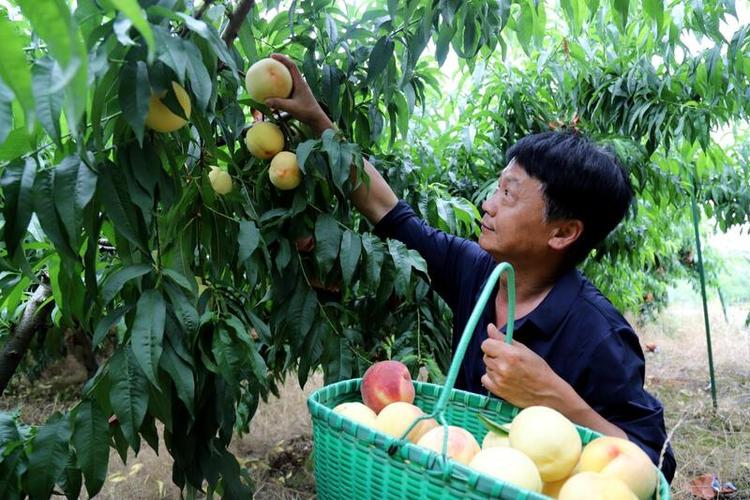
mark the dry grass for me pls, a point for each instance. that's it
(704, 440)
(277, 448)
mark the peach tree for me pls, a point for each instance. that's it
(159, 242)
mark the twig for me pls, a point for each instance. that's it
(33, 318)
(235, 21)
(666, 443)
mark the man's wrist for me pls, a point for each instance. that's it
(321, 124)
(565, 399)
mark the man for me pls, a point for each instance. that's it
(559, 196)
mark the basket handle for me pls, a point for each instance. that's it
(458, 357)
(438, 411)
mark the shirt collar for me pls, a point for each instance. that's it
(548, 315)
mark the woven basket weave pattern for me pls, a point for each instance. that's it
(352, 461)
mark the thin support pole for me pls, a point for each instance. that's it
(701, 271)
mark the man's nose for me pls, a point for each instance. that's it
(488, 206)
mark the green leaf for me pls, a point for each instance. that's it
(118, 206)
(51, 20)
(339, 359)
(75, 184)
(184, 309)
(44, 207)
(402, 261)
(621, 8)
(257, 363)
(182, 376)
(332, 89)
(115, 281)
(48, 104)
(375, 257)
(311, 350)
(247, 41)
(525, 25)
(351, 249)
(129, 395)
(445, 35)
(173, 52)
(303, 152)
(148, 333)
(92, 449)
(70, 480)
(133, 11)
(302, 310)
(381, 54)
(208, 33)
(14, 69)
(248, 239)
(492, 426)
(6, 111)
(17, 183)
(49, 453)
(655, 10)
(134, 94)
(179, 279)
(200, 80)
(18, 143)
(327, 241)
(107, 322)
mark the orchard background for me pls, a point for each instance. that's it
(185, 309)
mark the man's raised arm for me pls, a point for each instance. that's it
(374, 201)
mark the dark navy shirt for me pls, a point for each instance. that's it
(579, 333)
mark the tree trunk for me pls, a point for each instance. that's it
(33, 318)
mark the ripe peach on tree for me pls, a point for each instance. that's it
(268, 78)
(284, 171)
(160, 118)
(264, 140)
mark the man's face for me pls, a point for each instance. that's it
(514, 225)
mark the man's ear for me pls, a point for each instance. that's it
(564, 233)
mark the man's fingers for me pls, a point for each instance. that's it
(492, 348)
(494, 333)
(278, 103)
(296, 75)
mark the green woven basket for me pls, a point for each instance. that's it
(355, 462)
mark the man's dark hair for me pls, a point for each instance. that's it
(581, 180)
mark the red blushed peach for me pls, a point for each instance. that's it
(386, 382)
(621, 459)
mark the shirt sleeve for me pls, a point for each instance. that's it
(616, 392)
(451, 260)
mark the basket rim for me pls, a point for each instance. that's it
(431, 461)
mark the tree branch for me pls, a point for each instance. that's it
(33, 318)
(235, 21)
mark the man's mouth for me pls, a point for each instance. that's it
(485, 226)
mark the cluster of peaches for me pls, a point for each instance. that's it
(539, 451)
(264, 140)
